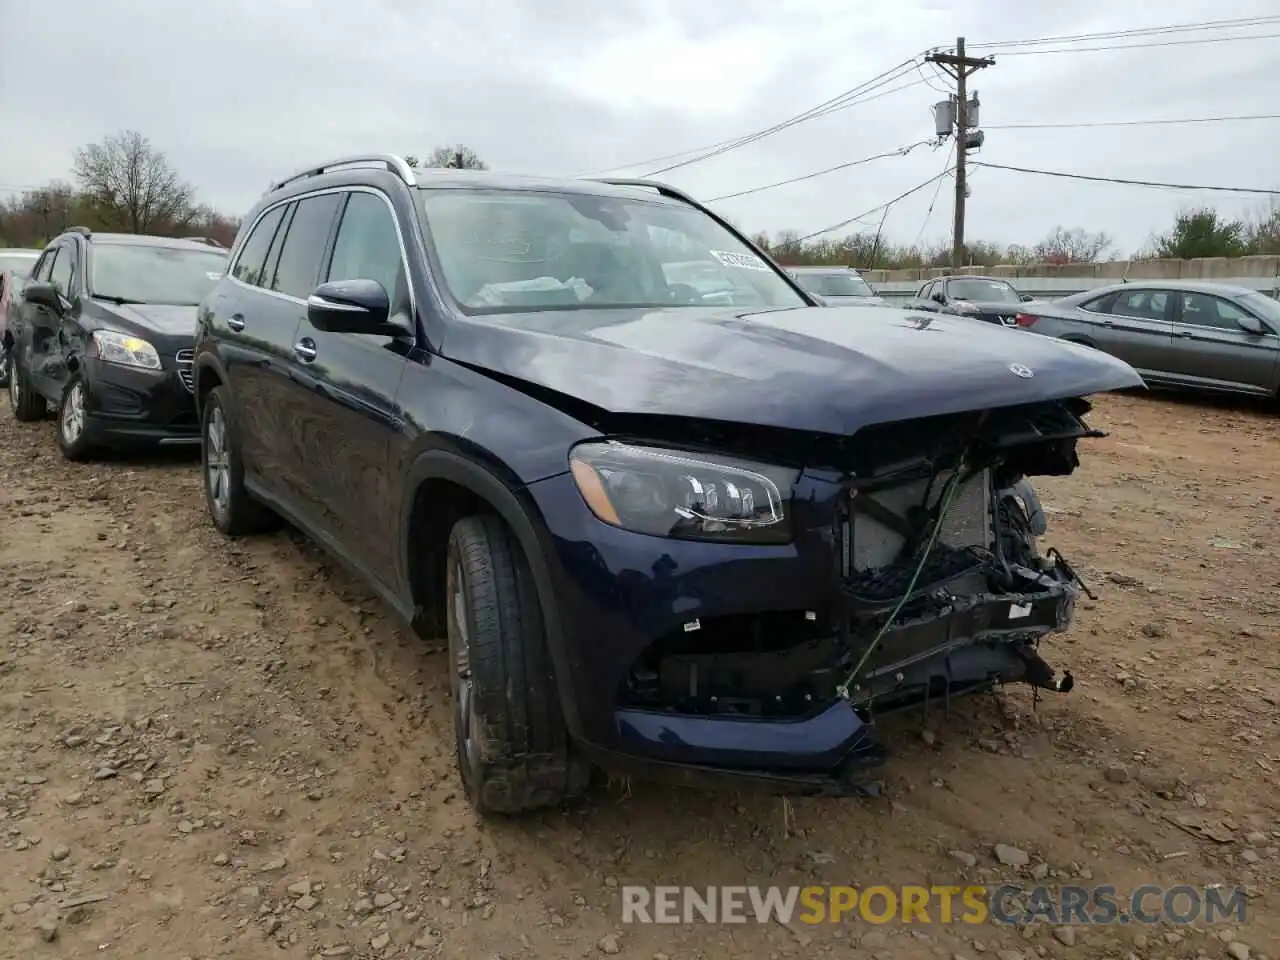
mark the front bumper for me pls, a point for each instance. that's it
(716, 705)
(129, 406)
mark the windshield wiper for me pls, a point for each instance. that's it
(110, 299)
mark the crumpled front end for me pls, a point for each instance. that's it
(918, 580)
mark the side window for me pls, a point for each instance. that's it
(367, 247)
(1203, 310)
(1141, 304)
(61, 275)
(298, 271)
(41, 270)
(1099, 304)
(253, 256)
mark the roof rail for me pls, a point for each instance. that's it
(395, 164)
(83, 231)
(663, 188)
(206, 240)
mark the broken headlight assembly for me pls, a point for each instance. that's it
(688, 496)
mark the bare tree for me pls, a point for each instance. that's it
(460, 156)
(1072, 246)
(132, 185)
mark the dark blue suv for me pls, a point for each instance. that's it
(665, 531)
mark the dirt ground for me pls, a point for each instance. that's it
(215, 750)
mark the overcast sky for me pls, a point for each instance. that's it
(239, 91)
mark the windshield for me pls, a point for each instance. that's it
(982, 291)
(144, 274)
(19, 264)
(503, 251)
(1264, 305)
(835, 284)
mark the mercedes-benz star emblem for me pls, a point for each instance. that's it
(1018, 370)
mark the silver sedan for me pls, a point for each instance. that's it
(1200, 336)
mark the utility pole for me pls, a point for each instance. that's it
(961, 67)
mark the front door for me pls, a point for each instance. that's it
(1212, 350)
(345, 436)
(45, 363)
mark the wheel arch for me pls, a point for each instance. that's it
(442, 487)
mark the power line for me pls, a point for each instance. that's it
(1121, 180)
(1235, 23)
(902, 196)
(932, 203)
(851, 97)
(1127, 123)
(1138, 46)
(847, 99)
(900, 152)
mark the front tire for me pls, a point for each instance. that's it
(232, 508)
(513, 747)
(73, 422)
(26, 404)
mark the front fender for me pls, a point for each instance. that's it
(515, 507)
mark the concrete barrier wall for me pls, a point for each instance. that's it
(1048, 281)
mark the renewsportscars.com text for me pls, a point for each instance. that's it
(972, 904)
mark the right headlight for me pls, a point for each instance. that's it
(129, 351)
(689, 496)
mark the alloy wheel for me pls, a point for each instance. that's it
(218, 462)
(460, 657)
(72, 413)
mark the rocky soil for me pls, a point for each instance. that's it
(214, 750)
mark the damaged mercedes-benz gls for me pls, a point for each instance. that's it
(674, 517)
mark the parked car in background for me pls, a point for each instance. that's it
(15, 264)
(1183, 333)
(982, 298)
(633, 514)
(104, 330)
(837, 286)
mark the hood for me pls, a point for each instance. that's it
(827, 369)
(142, 318)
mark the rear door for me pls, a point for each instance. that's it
(1212, 350)
(254, 330)
(1138, 328)
(345, 434)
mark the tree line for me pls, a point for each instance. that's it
(126, 184)
(1196, 232)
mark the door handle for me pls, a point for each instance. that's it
(236, 322)
(1183, 333)
(305, 349)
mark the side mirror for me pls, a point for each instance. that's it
(1026, 298)
(351, 306)
(44, 295)
(1251, 324)
(939, 297)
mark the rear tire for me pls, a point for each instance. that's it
(232, 508)
(27, 405)
(514, 751)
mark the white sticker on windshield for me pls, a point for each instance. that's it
(743, 261)
(213, 276)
